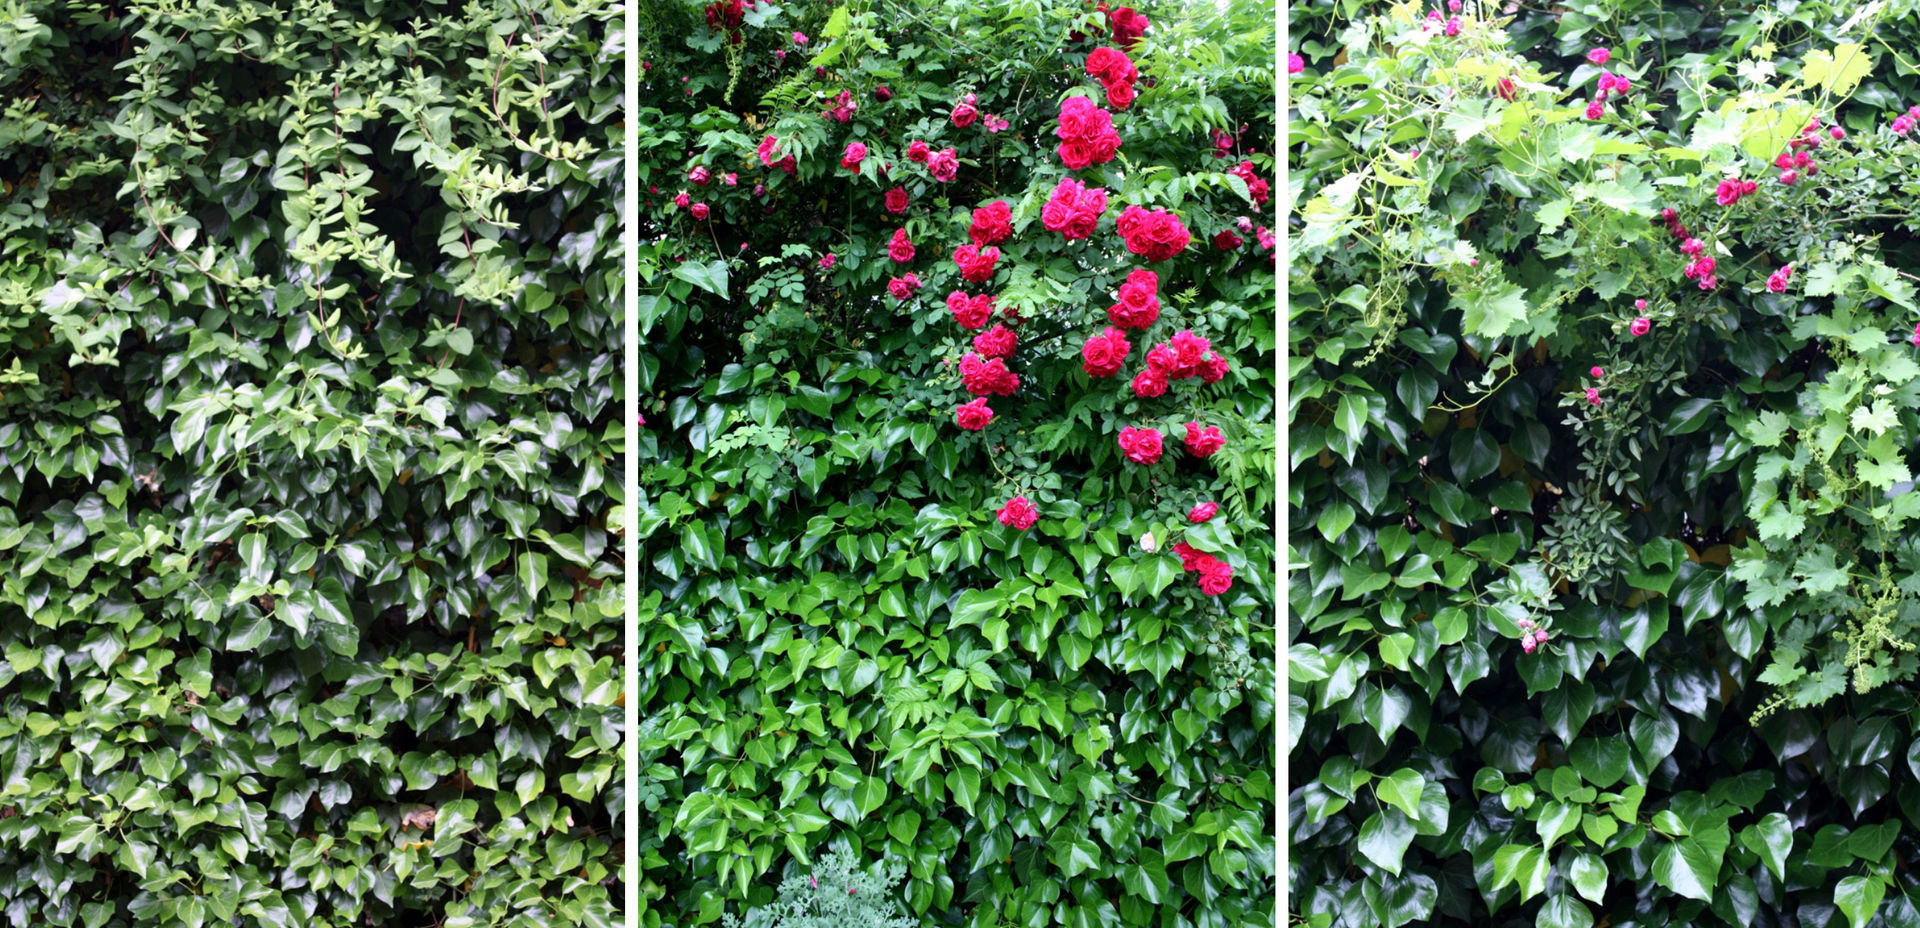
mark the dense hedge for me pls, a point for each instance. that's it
(1602, 441)
(842, 648)
(307, 448)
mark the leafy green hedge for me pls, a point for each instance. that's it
(841, 647)
(1604, 605)
(307, 448)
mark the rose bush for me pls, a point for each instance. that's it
(896, 621)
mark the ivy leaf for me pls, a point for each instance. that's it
(1859, 897)
(1495, 310)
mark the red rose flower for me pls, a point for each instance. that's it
(682, 200)
(1019, 514)
(1190, 557)
(856, 153)
(992, 223)
(1135, 318)
(965, 112)
(699, 210)
(1149, 383)
(1128, 26)
(901, 248)
(944, 165)
(903, 288)
(970, 312)
(1202, 512)
(700, 176)
(1212, 368)
(1103, 354)
(1073, 210)
(1086, 134)
(1155, 236)
(1203, 443)
(1216, 577)
(1120, 96)
(997, 342)
(1227, 241)
(897, 200)
(1142, 446)
(1110, 65)
(918, 152)
(982, 376)
(1189, 353)
(973, 415)
(976, 263)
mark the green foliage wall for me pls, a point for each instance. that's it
(1604, 599)
(840, 647)
(308, 551)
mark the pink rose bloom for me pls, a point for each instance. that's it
(1837, 133)
(1202, 512)
(1640, 326)
(1227, 241)
(700, 176)
(1190, 557)
(1212, 368)
(901, 248)
(973, 415)
(1640, 304)
(1599, 56)
(995, 124)
(1141, 446)
(826, 263)
(1149, 383)
(1086, 134)
(856, 153)
(992, 223)
(1597, 373)
(983, 376)
(1777, 281)
(997, 342)
(903, 288)
(897, 200)
(1110, 65)
(1204, 442)
(799, 39)
(730, 179)
(1593, 395)
(682, 200)
(970, 312)
(699, 210)
(976, 263)
(1120, 96)
(965, 112)
(944, 165)
(1103, 354)
(918, 152)
(1295, 63)
(1216, 577)
(1595, 110)
(1019, 514)
(882, 94)
(1453, 26)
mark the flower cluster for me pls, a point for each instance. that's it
(1731, 190)
(1185, 355)
(1777, 281)
(971, 312)
(1139, 305)
(843, 107)
(770, 156)
(1202, 443)
(1202, 512)
(1155, 236)
(903, 288)
(1141, 446)
(1103, 354)
(1216, 576)
(992, 223)
(1086, 134)
(1796, 159)
(1531, 636)
(1116, 73)
(1256, 186)
(997, 342)
(1701, 269)
(856, 152)
(984, 376)
(976, 263)
(1672, 220)
(1907, 120)
(1074, 209)
(1019, 514)
(1128, 26)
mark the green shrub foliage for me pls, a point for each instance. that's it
(853, 637)
(1602, 434)
(308, 557)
